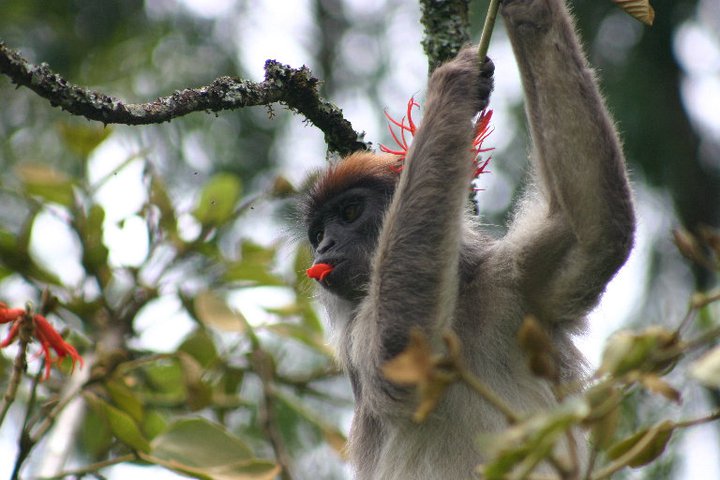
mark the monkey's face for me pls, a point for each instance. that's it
(343, 233)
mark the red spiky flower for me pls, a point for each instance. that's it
(319, 271)
(401, 141)
(44, 332)
(407, 125)
(482, 131)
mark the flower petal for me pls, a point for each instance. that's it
(319, 271)
(9, 314)
(49, 337)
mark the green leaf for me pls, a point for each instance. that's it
(332, 435)
(655, 440)
(95, 253)
(217, 199)
(213, 311)
(254, 266)
(707, 369)
(251, 275)
(47, 183)
(604, 400)
(303, 260)
(125, 399)
(95, 435)
(303, 286)
(301, 333)
(626, 351)
(255, 253)
(524, 445)
(166, 377)
(14, 254)
(200, 345)
(180, 442)
(83, 139)
(199, 393)
(154, 424)
(122, 426)
(161, 199)
(231, 379)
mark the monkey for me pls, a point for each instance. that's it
(402, 251)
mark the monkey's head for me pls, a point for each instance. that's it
(343, 210)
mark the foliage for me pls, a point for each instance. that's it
(141, 396)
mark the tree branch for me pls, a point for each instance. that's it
(294, 87)
(446, 29)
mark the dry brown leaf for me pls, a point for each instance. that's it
(640, 9)
(657, 385)
(414, 364)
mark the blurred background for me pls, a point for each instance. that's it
(180, 239)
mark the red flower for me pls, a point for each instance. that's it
(411, 127)
(48, 337)
(319, 271)
(482, 131)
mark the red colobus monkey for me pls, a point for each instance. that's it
(405, 253)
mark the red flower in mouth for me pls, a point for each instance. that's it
(408, 125)
(44, 332)
(319, 271)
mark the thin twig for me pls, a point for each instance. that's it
(699, 421)
(591, 463)
(52, 414)
(488, 29)
(263, 367)
(28, 440)
(490, 396)
(19, 365)
(93, 467)
(702, 340)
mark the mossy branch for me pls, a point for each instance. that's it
(294, 87)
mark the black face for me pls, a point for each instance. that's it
(343, 233)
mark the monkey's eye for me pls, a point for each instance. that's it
(318, 237)
(351, 212)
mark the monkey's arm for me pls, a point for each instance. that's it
(415, 272)
(570, 247)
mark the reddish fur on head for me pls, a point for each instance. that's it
(356, 169)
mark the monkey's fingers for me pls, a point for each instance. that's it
(487, 68)
(487, 82)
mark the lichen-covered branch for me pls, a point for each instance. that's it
(446, 29)
(294, 87)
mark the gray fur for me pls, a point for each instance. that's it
(434, 269)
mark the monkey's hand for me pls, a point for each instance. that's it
(487, 82)
(465, 78)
